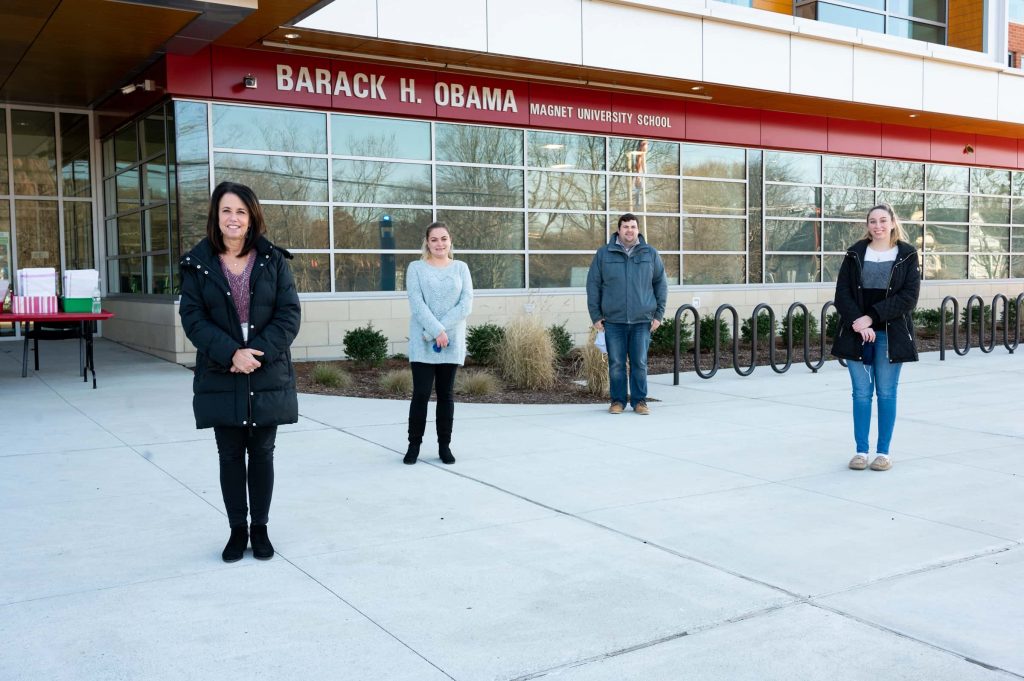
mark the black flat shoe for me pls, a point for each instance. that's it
(411, 455)
(237, 543)
(261, 546)
(445, 454)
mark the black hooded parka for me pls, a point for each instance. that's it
(267, 396)
(895, 311)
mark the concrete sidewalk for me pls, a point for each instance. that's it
(722, 537)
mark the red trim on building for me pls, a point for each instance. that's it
(953, 147)
(190, 75)
(854, 137)
(996, 151)
(900, 141)
(794, 131)
(727, 124)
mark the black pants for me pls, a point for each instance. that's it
(232, 444)
(424, 378)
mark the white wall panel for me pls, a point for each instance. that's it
(641, 41)
(355, 17)
(887, 79)
(960, 90)
(538, 29)
(448, 23)
(821, 69)
(1011, 98)
(739, 55)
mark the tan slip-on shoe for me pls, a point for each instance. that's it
(882, 462)
(616, 408)
(859, 462)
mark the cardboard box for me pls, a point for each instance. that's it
(76, 304)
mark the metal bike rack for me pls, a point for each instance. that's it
(976, 301)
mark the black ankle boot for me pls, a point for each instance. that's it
(236, 545)
(411, 454)
(445, 454)
(261, 546)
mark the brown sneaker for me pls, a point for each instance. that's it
(859, 462)
(616, 408)
(882, 462)
(642, 408)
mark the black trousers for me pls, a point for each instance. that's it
(424, 378)
(232, 444)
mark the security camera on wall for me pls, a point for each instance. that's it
(249, 81)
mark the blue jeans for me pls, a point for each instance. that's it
(881, 378)
(630, 340)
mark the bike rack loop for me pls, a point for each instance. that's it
(969, 307)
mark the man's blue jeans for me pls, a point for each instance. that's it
(630, 340)
(883, 379)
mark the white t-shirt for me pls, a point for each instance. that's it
(881, 256)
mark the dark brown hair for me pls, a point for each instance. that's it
(257, 224)
(626, 218)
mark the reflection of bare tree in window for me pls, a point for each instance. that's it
(566, 231)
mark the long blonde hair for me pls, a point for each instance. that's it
(425, 249)
(897, 233)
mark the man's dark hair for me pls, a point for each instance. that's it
(257, 225)
(626, 218)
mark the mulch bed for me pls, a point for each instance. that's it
(366, 380)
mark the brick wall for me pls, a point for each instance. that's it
(1016, 42)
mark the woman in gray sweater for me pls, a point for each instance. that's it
(440, 298)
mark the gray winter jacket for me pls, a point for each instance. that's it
(626, 289)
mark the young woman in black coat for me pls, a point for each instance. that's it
(240, 309)
(876, 293)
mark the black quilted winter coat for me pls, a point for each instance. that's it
(267, 396)
(895, 311)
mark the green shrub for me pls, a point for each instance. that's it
(1009, 318)
(764, 328)
(799, 322)
(476, 382)
(482, 342)
(400, 356)
(397, 381)
(665, 335)
(526, 355)
(707, 333)
(366, 345)
(331, 376)
(928, 321)
(975, 313)
(832, 325)
(561, 339)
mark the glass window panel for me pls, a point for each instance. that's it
(790, 269)
(152, 135)
(990, 181)
(792, 235)
(830, 265)
(1017, 183)
(839, 236)
(701, 160)
(74, 141)
(158, 274)
(380, 137)
(35, 153)
(702, 197)
(946, 267)
(915, 234)
(258, 129)
(714, 234)
(128, 234)
(78, 253)
(946, 207)
(990, 266)
(1018, 211)
(38, 233)
(986, 239)
(947, 178)
(128, 190)
(191, 144)
(755, 222)
(900, 175)
(562, 151)
(853, 18)
(907, 205)
(915, 30)
(125, 275)
(567, 231)
(848, 203)
(484, 187)
(990, 210)
(156, 236)
(478, 144)
(1018, 240)
(869, 4)
(496, 270)
(791, 201)
(784, 167)
(4, 176)
(1017, 264)
(156, 180)
(635, 193)
(946, 238)
(367, 228)
(275, 178)
(370, 271)
(643, 156)
(193, 202)
(382, 182)
(852, 172)
(312, 272)
(714, 269)
(566, 191)
(126, 149)
(298, 226)
(660, 231)
(483, 229)
(559, 271)
(932, 10)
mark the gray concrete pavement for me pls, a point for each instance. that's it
(722, 537)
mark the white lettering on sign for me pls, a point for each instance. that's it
(303, 80)
(605, 116)
(654, 121)
(361, 86)
(407, 89)
(284, 77)
(473, 97)
(553, 110)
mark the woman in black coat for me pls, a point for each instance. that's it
(876, 293)
(240, 309)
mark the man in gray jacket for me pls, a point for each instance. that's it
(626, 296)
